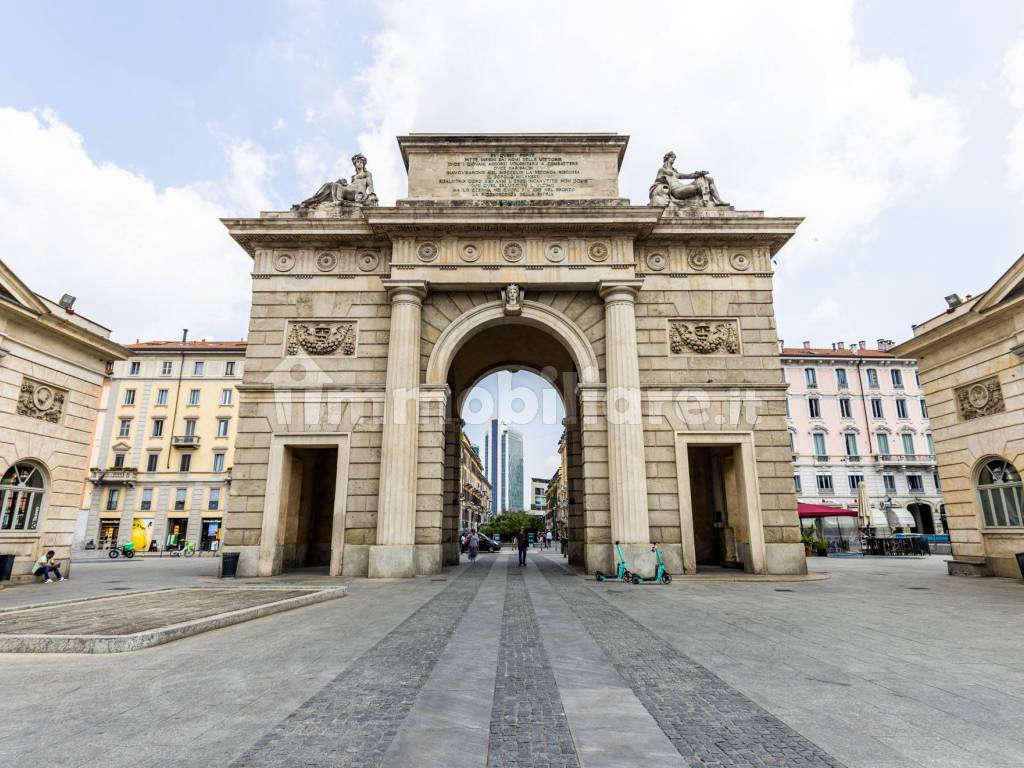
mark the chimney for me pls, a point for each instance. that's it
(863, 344)
(884, 345)
(842, 344)
(833, 346)
(807, 345)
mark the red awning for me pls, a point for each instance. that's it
(820, 510)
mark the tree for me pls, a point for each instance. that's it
(510, 523)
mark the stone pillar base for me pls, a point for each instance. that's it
(966, 568)
(428, 559)
(392, 562)
(639, 559)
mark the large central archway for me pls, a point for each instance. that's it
(484, 340)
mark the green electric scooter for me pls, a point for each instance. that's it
(621, 571)
(661, 575)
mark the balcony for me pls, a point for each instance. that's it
(113, 476)
(185, 441)
(905, 459)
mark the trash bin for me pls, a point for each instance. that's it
(229, 565)
(6, 567)
(1020, 563)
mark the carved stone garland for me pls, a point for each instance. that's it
(321, 338)
(703, 337)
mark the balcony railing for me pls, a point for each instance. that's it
(903, 459)
(118, 476)
(185, 441)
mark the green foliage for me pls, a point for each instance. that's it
(809, 537)
(508, 525)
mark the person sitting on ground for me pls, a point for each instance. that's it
(45, 566)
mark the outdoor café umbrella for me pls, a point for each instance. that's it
(864, 504)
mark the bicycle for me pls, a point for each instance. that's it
(127, 549)
(188, 550)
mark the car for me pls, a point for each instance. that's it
(487, 544)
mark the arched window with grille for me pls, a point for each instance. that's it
(999, 491)
(22, 494)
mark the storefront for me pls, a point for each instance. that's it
(177, 529)
(106, 537)
(209, 538)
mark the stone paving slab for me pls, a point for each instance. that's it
(138, 620)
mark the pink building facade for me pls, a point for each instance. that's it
(858, 415)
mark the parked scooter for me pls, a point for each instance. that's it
(661, 575)
(621, 571)
(188, 549)
(127, 549)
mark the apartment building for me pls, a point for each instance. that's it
(163, 449)
(474, 490)
(858, 415)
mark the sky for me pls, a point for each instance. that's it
(128, 128)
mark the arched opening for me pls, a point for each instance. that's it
(512, 344)
(22, 497)
(1000, 494)
(924, 520)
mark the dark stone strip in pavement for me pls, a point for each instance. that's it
(528, 724)
(351, 721)
(711, 723)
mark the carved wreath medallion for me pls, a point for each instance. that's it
(470, 253)
(555, 252)
(656, 262)
(740, 261)
(512, 251)
(368, 261)
(698, 260)
(982, 398)
(427, 251)
(284, 262)
(599, 251)
(320, 338)
(41, 401)
(326, 261)
(704, 337)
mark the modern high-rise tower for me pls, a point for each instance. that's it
(503, 465)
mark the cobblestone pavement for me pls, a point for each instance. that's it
(711, 723)
(528, 724)
(351, 722)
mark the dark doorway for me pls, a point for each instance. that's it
(924, 522)
(710, 505)
(310, 514)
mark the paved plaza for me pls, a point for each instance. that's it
(493, 665)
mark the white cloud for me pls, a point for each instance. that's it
(774, 98)
(827, 309)
(143, 261)
(1013, 72)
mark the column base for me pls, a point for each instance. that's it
(396, 561)
(639, 559)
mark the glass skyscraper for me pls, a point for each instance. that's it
(503, 466)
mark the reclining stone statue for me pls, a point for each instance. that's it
(358, 192)
(669, 189)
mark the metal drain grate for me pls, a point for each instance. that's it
(783, 590)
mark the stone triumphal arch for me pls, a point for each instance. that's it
(370, 324)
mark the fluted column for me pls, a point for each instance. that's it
(394, 553)
(627, 471)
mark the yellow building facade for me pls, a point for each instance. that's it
(160, 472)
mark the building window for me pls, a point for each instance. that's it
(882, 440)
(147, 499)
(811, 377)
(229, 368)
(917, 378)
(851, 446)
(999, 488)
(872, 378)
(855, 481)
(796, 483)
(113, 495)
(901, 408)
(158, 427)
(908, 443)
(193, 397)
(897, 378)
(179, 499)
(222, 427)
(792, 442)
(218, 462)
(924, 408)
(889, 483)
(125, 429)
(190, 427)
(820, 451)
(198, 368)
(214, 499)
(151, 462)
(825, 484)
(22, 490)
(931, 443)
(186, 462)
(129, 397)
(134, 368)
(814, 407)
(935, 479)
(161, 397)
(118, 461)
(788, 413)
(915, 483)
(845, 408)
(225, 396)
(166, 368)
(876, 408)
(841, 381)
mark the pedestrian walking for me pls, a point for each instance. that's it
(474, 544)
(548, 539)
(522, 544)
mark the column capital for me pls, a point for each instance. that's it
(619, 290)
(406, 290)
